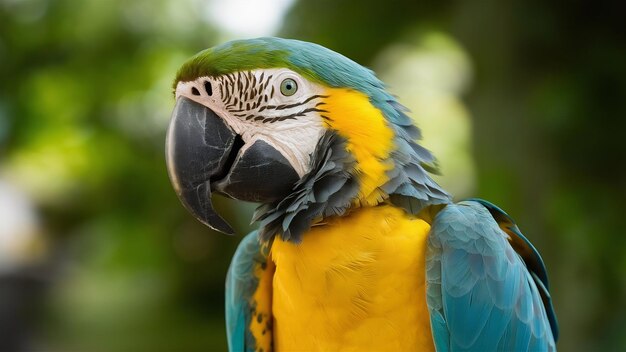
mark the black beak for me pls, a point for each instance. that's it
(204, 155)
(197, 147)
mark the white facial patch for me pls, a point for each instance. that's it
(255, 107)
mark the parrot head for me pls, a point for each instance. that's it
(303, 130)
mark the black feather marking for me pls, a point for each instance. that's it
(289, 106)
(232, 102)
(267, 81)
(239, 82)
(292, 216)
(254, 82)
(237, 110)
(258, 102)
(247, 81)
(294, 115)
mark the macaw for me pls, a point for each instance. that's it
(358, 248)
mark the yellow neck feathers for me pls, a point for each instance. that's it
(369, 139)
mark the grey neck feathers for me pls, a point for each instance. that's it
(331, 187)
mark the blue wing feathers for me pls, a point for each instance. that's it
(533, 256)
(480, 294)
(241, 283)
(440, 332)
(532, 259)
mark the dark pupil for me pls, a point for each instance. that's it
(288, 86)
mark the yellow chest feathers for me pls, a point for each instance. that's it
(356, 283)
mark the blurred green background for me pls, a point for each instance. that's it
(524, 103)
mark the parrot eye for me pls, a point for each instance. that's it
(288, 87)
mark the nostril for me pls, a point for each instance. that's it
(195, 91)
(208, 88)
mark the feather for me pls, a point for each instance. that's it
(327, 189)
(480, 287)
(242, 283)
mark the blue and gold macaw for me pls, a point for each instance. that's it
(358, 248)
